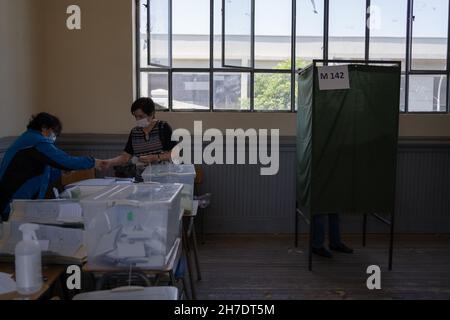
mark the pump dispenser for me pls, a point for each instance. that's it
(28, 261)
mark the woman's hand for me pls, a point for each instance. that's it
(117, 161)
(102, 164)
(149, 159)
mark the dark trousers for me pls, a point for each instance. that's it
(318, 236)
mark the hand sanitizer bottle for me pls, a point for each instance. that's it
(28, 261)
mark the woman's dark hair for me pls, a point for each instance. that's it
(145, 104)
(45, 120)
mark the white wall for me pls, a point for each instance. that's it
(18, 65)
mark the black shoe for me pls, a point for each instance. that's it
(322, 252)
(341, 248)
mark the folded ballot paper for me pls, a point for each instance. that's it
(59, 245)
(135, 246)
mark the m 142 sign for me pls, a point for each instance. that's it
(333, 77)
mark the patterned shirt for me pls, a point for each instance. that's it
(140, 144)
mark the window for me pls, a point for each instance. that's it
(427, 93)
(237, 33)
(190, 91)
(190, 40)
(156, 86)
(268, 35)
(159, 32)
(347, 27)
(309, 27)
(272, 91)
(243, 55)
(429, 35)
(388, 30)
(231, 91)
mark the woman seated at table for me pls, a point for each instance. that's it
(33, 162)
(149, 141)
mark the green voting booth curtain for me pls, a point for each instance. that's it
(347, 141)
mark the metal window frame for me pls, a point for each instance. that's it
(137, 40)
(448, 61)
(293, 71)
(367, 35)
(326, 28)
(409, 20)
(293, 54)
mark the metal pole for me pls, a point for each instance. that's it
(391, 242)
(293, 53)
(311, 233)
(296, 229)
(364, 229)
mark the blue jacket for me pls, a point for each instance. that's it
(30, 165)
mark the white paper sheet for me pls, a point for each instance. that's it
(44, 244)
(333, 77)
(7, 284)
(107, 242)
(70, 213)
(135, 250)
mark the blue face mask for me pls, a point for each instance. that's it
(52, 137)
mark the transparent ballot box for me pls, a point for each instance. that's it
(60, 233)
(85, 188)
(58, 244)
(133, 225)
(51, 212)
(173, 173)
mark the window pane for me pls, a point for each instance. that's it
(190, 33)
(232, 91)
(155, 85)
(309, 31)
(347, 29)
(429, 44)
(388, 30)
(191, 91)
(273, 34)
(238, 33)
(427, 93)
(143, 22)
(159, 32)
(272, 91)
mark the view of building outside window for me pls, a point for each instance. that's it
(426, 80)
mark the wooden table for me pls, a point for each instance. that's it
(50, 273)
(103, 271)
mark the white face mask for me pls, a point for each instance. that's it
(143, 123)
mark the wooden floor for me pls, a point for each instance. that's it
(268, 267)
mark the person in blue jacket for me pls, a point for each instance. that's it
(33, 162)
